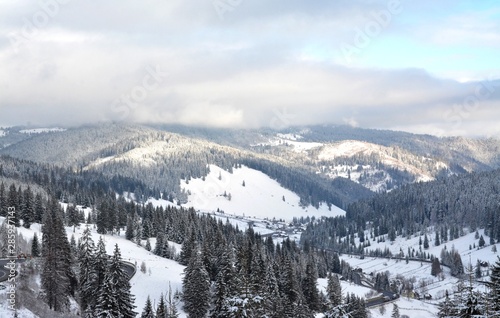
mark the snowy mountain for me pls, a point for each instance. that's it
(283, 186)
(376, 159)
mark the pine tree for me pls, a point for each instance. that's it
(120, 281)
(494, 285)
(28, 208)
(129, 232)
(435, 267)
(13, 201)
(426, 242)
(72, 216)
(395, 311)
(309, 285)
(478, 272)
(159, 244)
(87, 276)
(188, 247)
(224, 286)
(272, 297)
(334, 291)
(107, 302)
(481, 241)
(446, 307)
(58, 278)
(437, 242)
(161, 310)
(3, 200)
(196, 287)
(39, 209)
(147, 312)
(35, 246)
(100, 262)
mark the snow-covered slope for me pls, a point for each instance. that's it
(160, 273)
(260, 196)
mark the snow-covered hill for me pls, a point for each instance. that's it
(248, 192)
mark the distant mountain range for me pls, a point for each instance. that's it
(337, 164)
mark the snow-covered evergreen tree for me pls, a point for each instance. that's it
(494, 285)
(101, 261)
(447, 307)
(309, 285)
(57, 277)
(395, 311)
(161, 309)
(28, 211)
(334, 291)
(196, 287)
(121, 284)
(147, 312)
(87, 276)
(224, 286)
(35, 246)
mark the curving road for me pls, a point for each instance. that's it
(4, 272)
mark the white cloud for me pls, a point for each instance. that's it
(261, 60)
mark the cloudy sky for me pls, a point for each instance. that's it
(419, 66)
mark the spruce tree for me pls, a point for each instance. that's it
(224, 287)
(481, 242)
(57, 277)
(3, 200)
(100, 262)
(120, 280)
(107, 302)
(35, 246)
(309, 285)
(188, 247)
(87, 276)
(395, 311)
(435, 267)
(13, 201)
(39, 208)
(161, 310)
(446, 307)
(426, 242)
(28, 208)
(129, 232)
(334, 291)
(196, 287)
(494, 285)
(147, 312)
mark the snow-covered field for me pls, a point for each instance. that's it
(260, 197)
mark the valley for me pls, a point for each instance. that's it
(376, 215)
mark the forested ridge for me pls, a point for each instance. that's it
(251, 275)
(449, 205)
